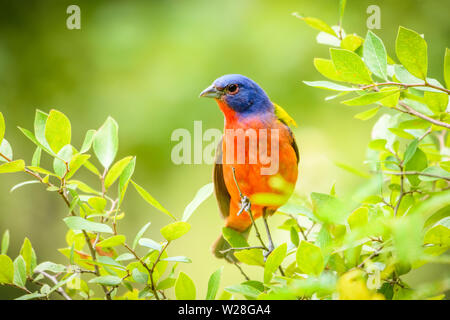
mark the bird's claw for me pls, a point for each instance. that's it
(245, 205)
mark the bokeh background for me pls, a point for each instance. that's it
(144, 63)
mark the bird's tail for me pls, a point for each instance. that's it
(221, 244)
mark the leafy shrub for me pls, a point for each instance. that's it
(354, 247)
(94, 215)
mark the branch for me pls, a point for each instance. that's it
(55, 281)
(395, 173)
(413, 112)
(402, 190)
(241, 248)
(153, 269)
(405, 85)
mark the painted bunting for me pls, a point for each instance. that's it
(238, 175)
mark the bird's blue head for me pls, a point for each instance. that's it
(239, 93)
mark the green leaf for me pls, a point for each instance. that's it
(50, 266)
(327, 208)
(106, 142)
(36, 160)
(298, 209)
(40, 120)
(368, 114)
(64, 156)
(88, 140)
(213, 284)
(57, 130)
(400, 133)
(2, 127)
(182, 259)
(411, 50)
(175, 230)
(13, 166)
(326, 68)
(252, 257)
(184, 287)
(369, 98)
(20, 272)
(6, 269)
(294, 236)
(166, 284)
(78, 223)
(202, 194)
(309, 258)
(125, 178)
(107, 280)
(5, 242)
(329, 85)
(408, 238)
(139, 235)
(149, 243)
(152, 201)
(358, 218)
(139, 277)
(436, 101)
(97, 203)
(436, 171)
(351, 42)
(273, 261)
(317, 24)
(410, 151)
(125, 257)
(350, 67)
(375, 56)
(447, 67)
(83, 187)
(30, 296)
(6, 150)
(28, 254)
(439, 234)
(76, 163)
(116, 170)
(245, 290)
(418, 162)
(112, 242)
(378, 144)
(234, 238)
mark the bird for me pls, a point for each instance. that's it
(247, 108)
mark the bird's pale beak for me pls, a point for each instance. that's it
(211, 92)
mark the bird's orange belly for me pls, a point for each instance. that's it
(267, 189)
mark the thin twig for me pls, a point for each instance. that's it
(55, 281)
(405, 85)
(411, 111)
(153, 269)
(242, 271)
(402, 189)
(426, 174)
(241, 248)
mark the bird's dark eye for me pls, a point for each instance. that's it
(233, 88)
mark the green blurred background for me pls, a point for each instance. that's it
(144, 63)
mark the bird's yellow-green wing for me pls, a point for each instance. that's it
(283, 116)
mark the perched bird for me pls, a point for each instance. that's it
(246, 106)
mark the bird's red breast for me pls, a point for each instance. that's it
(249, 176)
